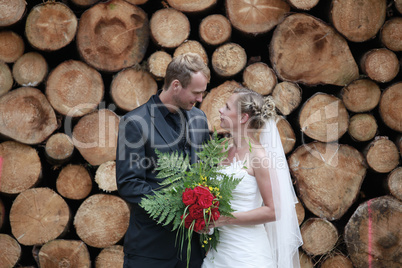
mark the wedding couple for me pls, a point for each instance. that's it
(264, 231)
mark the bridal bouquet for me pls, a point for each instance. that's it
(192, 196)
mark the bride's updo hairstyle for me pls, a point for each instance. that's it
(259, 108)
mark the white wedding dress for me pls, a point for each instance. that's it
(242, 246)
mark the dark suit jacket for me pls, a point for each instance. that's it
(141, 131)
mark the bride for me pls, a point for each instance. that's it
(264, 231)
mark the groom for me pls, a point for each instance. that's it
(168, 122)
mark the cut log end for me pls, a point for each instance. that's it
(158, 63)
(102, 220)
(131, 88)
(381, 65)
(193, 47)
(229, 59)
(38, 215)
(74, 182)
(260, 78)
(12, 46)
(10, 251)
(64, 253)
(215, 29)
(391, 107)
(382, 155)
(113, 35)
(191, 6)
(169, 27)
(105, 176)
(362, 127)
(319, 236)
(6, 78)
(59, 148)
(287, 97)
(110, 257)
(377, 223)
(256, 17)
(11, 12)
(361, 95)
(20, 168)
(391, 34)
(30, 69)
(395, 183)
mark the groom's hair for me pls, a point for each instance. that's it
(183, 67)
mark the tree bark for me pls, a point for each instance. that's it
(323, 57)
(337, 261)
(260, 78)
(131, 88)
(228, 60)
(30, 69)
(361, 95)
(169, 28)
(324, 173)
(303, 4)
(319, 236)
(112, 256)
(50, 26)
(158, 63)
(288, 137)
(191, 6)
(372, 234)
(59, 149)
(105, 176)
(64, 253)
(11, 12)
(74, 89)
(380, 64)
(74, 182)
(26, 116)
(215, 29)
(10, 251)
(391, 34)
(12, 46)
(191, 46)
(21, 167)
(323, 117)
(102, 220)
(256, 17)
(6, 78)
(362, 127)
(38, 215)
(287, 97)
(382, 155)
(95, 136)
(358, 20)
(394, 182)
(217, 97)
(391, 106)
(113, 35)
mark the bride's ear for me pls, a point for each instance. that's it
(244, 118)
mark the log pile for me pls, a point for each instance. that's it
(70, 69)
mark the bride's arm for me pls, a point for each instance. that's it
(263, 214)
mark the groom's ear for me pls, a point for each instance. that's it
(244, 118)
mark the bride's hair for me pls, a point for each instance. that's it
(259, 108)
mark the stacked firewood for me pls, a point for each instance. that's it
(70, 69)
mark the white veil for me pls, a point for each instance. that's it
(284, 233)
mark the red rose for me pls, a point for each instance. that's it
(204, 196)
(187, 221)
(189, 197)
(215, 213)
(199, 225)
(196, 211)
